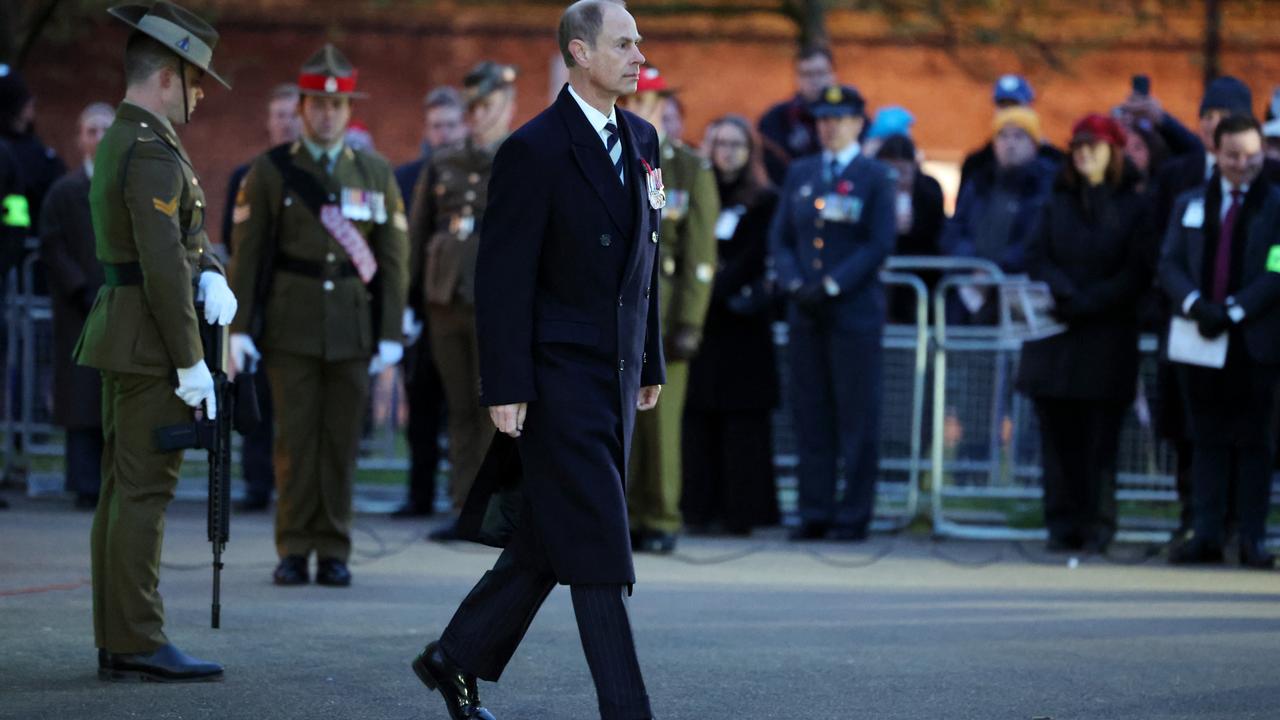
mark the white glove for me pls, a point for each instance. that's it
(389, 353)
(195, 385)
(411, 327)
(244, 354)
(219, 302)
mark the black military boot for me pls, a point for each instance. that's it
(292, 570)
(458, 687)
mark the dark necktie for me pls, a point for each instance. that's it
(1222, 261)
(833, 171)
(615, 150)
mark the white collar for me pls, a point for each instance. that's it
(1226, 188)
(88, 167)
(1210, 162)
(597, 119)
(844, 157)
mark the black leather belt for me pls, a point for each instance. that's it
(313, 268)
(122, 274)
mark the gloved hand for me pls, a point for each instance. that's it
(244, 354)
(810, 296)
(219, 302)
(1211, 317)
(411, 326)
(195, 385)
(389, 353)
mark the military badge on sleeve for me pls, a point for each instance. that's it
(168, 208)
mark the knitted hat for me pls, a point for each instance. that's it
(1227, 93)
(1021, 117)
(1094, 127)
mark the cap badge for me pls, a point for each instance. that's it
(833, 94)
(185, 44)
(1009, 83)
(331, 84)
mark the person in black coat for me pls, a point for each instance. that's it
(1092, 246)
(567, 321)
(920, 214)
(788, 130)
(67, 249)
(1220, 266)
(733, 380)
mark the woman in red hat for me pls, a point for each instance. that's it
(1092, 247)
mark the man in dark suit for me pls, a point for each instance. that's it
(787, 130)
(1220, 266)
(567, 319)
(67, 249)
(833, 229)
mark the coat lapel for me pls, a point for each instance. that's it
(638, 193)
(589, 153)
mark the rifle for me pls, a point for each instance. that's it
(237, 409)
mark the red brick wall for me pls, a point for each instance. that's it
(398, 62)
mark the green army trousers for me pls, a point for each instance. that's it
(457, 356)
(654, 480)
(128, 528)
(320, 410)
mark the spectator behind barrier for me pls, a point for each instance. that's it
(787, 129)
(1091, 243)
(1010, 91)
(995, 210)
(920, 216)
(733, 381)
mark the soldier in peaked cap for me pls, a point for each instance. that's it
(148, 220)
(448, 208)
(834, 227)
(687, 261)
(319, 230)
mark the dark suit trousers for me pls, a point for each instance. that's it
(255, 452)
(728, 469)
(835, 399)
(1079, 443)
(426, 407)
(84, 460)
(1233, 428)
(487, 628)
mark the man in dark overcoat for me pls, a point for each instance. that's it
(567, 318)
(1220, 266)
(68, 252)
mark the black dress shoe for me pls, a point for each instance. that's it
(448, 533)
(1196, 551)
(292, 570)
(658, 543)
(846, 533)
(458, 687)
(808, 531)
(253, 504)
(166, 664)
(333, 573)
(1253, 554)
(409, 510)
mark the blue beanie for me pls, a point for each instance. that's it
(892, 120)
(1227, 93)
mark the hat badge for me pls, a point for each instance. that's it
(1009, 83)
(833, 94)
(185, 44)
(331, 84)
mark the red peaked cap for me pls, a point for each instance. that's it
(652, 81)
(1098, 127)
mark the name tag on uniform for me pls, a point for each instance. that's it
(839, 208)
(1193, 216)
(677, 204)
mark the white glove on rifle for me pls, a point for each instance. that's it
(389, 353)
(195, 385)
(219, 302)
(244, 354)
(411, 327)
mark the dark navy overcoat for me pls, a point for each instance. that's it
(567, 319)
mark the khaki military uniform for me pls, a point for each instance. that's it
(318, 331)
(148, 220)
(449, 201)
(687, 255)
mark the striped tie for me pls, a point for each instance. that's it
(615, 150)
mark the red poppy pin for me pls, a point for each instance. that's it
(844, 187)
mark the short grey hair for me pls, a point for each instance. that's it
(98, 108)
(582, 21)
(441, 97)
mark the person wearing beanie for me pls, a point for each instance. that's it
(1092, 245)
(38, 165)
(995, 210)
(1010, 92)
(889, 121)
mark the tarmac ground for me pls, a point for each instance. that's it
(899, 627)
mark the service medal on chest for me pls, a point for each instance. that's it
(653, 179)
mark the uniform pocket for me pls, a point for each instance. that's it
(566, 331)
